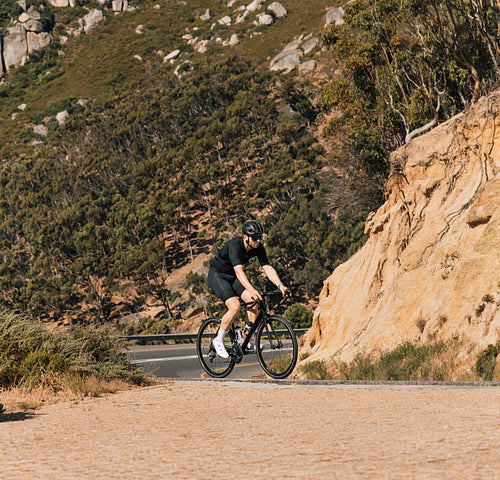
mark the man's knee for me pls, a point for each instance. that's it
(233, 305)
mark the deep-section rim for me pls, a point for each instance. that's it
(262, 352)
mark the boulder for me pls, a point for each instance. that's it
(35, 41)
(293, 45)
(335, 15)
(278, 9)
(41, 130)
(62, 117)
(206, 15)
(225, 20)
(93, 18)
(242, 17)
(287, 63)
(171, 56)
(119, 5)
(22, 4)
(34, 14)
(14, 46)
(33, 26)
(265, 19)
(233, 40)
(310, 45)
(255, 5)
(24, 17)
(284, 54)
(59, 3)
(307, 66)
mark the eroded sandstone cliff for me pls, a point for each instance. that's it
(431, 267)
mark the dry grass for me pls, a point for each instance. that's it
(23, 398)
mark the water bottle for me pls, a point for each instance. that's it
(246, 330)
(239, 336)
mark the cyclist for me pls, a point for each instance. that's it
(229, 282)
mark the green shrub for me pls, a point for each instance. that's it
(315, 370)
(486, 361)
(406, 362)
(299, 316)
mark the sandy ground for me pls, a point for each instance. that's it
(200, 430)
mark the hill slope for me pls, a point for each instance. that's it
(159, 158)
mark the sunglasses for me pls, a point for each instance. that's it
(255, 238)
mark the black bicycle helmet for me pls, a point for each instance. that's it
(252, 228)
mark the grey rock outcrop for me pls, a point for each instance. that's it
(22, 39)
(93, 18)
(62, 117)
(307, 66)
(33, 25)
(310, 45)
(59, 3)
(288, 62)
(285, 53)
(336, 16)
(62, 3)
(41, 130)
(265, 19)
(278, 10)
(289, 57)
(119, 5)
(15, 46)
(36, 41)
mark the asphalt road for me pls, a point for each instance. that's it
(181, 361)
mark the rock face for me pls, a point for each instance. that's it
(430, 269)
(289, 57)
(22, 39)
(15, 46)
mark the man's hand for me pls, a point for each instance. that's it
(285, 291)
(254, 294)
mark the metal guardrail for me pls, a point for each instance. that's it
(182, 336)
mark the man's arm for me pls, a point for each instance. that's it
(273, 276)
(242, 277)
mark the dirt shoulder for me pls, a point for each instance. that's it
(239, 430)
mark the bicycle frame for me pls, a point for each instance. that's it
(262, 316)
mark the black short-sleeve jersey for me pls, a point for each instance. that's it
(234, 253)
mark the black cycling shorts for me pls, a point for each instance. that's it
(225, 286)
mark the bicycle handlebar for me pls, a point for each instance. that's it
(265, 294)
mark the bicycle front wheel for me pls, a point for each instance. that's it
(277, 347)
(214, 365)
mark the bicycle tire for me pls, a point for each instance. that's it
(214, 365)
(277, 347)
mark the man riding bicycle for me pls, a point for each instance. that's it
(229, 282)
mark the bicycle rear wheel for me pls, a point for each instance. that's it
(277, 347)
(214, 365)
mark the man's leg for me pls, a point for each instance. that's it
(251, 314)
(233, 307)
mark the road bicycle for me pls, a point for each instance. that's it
(276, 345)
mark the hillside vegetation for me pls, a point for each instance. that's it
(155, 166)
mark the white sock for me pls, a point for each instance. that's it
(221, 334)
